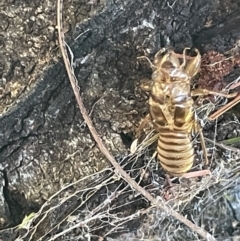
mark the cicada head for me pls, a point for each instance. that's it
(172, 67)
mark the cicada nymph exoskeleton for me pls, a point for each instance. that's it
(172, 111)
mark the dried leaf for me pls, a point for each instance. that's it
(133, 147)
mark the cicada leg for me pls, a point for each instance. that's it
(143, 124)
(161, 51)
(204, 148)
(149, 61)
(202, 92)
(198, 129)
(205, 154)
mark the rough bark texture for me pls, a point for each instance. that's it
(44, 143)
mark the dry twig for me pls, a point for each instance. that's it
(157, 202)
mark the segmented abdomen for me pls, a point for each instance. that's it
(175, 152)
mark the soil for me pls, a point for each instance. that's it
(44, 142)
